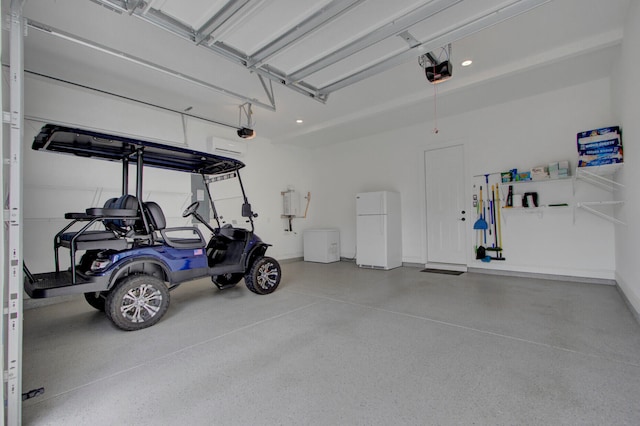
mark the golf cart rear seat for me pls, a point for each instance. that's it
(119, 217)
(158, 222)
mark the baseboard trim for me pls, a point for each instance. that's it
(413, 265)
(601, 281)
(621, 286)
(291, 260)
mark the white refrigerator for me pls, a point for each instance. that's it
(378, 230)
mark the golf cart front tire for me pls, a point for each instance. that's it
(264, 275)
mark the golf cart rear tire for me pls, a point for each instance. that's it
(97, 300)
(264, 275)
(137, 302)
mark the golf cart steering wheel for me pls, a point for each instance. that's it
(191, 209)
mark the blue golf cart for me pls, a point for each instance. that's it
(124, 258)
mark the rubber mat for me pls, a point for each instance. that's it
(442, 271)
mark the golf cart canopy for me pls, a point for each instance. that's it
(90, 144)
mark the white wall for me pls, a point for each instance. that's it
(520, 134)
(55, 184)
(627, 100)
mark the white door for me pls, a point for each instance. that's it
(446, 215)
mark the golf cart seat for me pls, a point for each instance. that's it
(158, 222)
(118, 217)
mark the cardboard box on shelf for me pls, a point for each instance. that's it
(598, 147)
(539, 173)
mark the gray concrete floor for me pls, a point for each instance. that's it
(338, 345)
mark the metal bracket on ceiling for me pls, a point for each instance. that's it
(132, 5)
(268, 90)
(248, 112)
(411, 40)
(431, 59)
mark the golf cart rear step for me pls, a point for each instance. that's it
(51, 284)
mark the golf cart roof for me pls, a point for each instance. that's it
(91, 144)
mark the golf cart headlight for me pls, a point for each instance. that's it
(100, 264)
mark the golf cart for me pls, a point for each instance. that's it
(123, 258)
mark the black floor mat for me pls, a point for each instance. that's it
(442, 271)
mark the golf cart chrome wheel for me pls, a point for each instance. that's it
(264, 276)
(137, 302)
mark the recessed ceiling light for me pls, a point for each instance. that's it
(299, 121)
(467, 63)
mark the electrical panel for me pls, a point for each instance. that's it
(198, 192)
(291, 203)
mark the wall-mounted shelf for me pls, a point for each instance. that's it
(602, 177)
(521, 182)
(506, 211)
(542, 208)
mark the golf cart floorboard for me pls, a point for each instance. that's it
(226, 269)
(58, 284)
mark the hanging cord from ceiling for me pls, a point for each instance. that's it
(435, 106)
(434, 63)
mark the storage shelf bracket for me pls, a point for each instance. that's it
(588, 206)
(598, 177)
(598, 180)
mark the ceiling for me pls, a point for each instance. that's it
(348, 68)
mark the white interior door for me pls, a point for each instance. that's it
(446, 215)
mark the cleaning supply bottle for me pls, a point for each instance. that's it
(510, 197)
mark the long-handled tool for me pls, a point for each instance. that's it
(494, 222)
(499, 225)
(480, 224)
(488, 207)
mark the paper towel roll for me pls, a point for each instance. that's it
(517, 200)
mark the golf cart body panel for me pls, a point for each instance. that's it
(136, 250)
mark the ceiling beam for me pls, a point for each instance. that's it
(390, 29)
(488, 19)
(314, 22)
(167, 23)
(258, 62)
(231, 8)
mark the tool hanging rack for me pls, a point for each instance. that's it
(488, 226)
